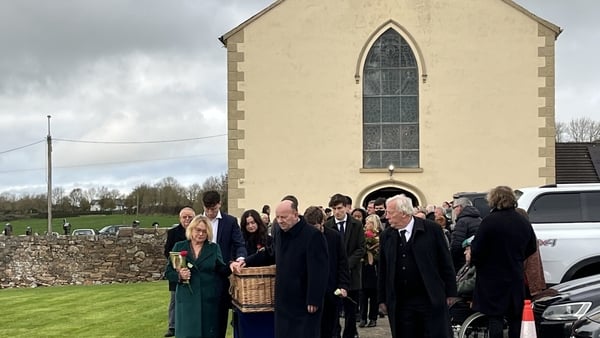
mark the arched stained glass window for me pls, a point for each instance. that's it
(390, 104)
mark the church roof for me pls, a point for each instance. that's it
(577, 162)
(557, 30)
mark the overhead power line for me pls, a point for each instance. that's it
(141, 142)
(98, 164)
(21, 147)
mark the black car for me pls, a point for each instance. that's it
(588, 326)
(565, 303)
(478, 199)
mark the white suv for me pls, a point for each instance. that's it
(566, 220)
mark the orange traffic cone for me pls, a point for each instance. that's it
(528, 324)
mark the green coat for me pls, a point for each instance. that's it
(196, 303)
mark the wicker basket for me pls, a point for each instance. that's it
(253, 289)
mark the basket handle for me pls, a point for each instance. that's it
(231, 285)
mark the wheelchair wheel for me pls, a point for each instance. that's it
(476, 326)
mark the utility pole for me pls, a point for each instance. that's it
(49, 139)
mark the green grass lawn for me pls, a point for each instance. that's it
(95, 222)
(116, 310)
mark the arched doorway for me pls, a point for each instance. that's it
(387, 192)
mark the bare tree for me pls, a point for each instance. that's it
(217, 183)
(583, 129)
(193, 192)
(561, 132)
(75, 197)
(167, 196)
(172, 194)
(57, 194)
(108, 198)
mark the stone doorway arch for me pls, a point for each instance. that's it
(386, 191)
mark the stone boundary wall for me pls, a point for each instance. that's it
(31, 261)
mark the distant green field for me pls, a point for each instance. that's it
(95, 222)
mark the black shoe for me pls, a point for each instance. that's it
(381, 315)
(372, 323)
(170, 333)
(362, 323)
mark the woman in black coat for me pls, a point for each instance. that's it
(259, 244)
(504, 240)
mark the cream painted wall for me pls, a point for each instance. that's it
(479, 124)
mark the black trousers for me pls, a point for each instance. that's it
(350, 314)
(368, 304)
(496, 325)
(413, 321)
(330, 315)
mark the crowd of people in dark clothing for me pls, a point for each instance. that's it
(425, 268)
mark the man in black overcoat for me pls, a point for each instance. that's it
(228, 234)
(301, 276)
(339, 274)
(175, 235)
(504, 240)
(354, 244)
(416, 275)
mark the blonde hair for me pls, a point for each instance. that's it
(375, 220)
(196, 223)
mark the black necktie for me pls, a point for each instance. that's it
(341, 224)
(402, 237)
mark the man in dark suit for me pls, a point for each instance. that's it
(416, 275)
(229, 236)
(354, 244)
(339, 274)
(175, 235)
(300, 277)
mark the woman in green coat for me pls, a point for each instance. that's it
(196, 267)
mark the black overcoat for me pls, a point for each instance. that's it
(301, 276)
(354, 243)
(504, 240)
(174, 235)
(435, 265)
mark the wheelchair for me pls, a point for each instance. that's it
(467, 323)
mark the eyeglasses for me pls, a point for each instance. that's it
(201, 231)
(187, 217)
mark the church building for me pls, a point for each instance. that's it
(381, 97)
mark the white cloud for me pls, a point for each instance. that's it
(114, 71)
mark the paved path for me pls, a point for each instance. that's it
(381, 330)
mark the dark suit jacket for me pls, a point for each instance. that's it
(230, 238)
(174, 235)
(354, 243)
(435, 265)
(339, 274)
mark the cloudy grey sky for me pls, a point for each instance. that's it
(153, 70)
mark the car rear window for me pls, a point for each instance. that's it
(556, 208)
